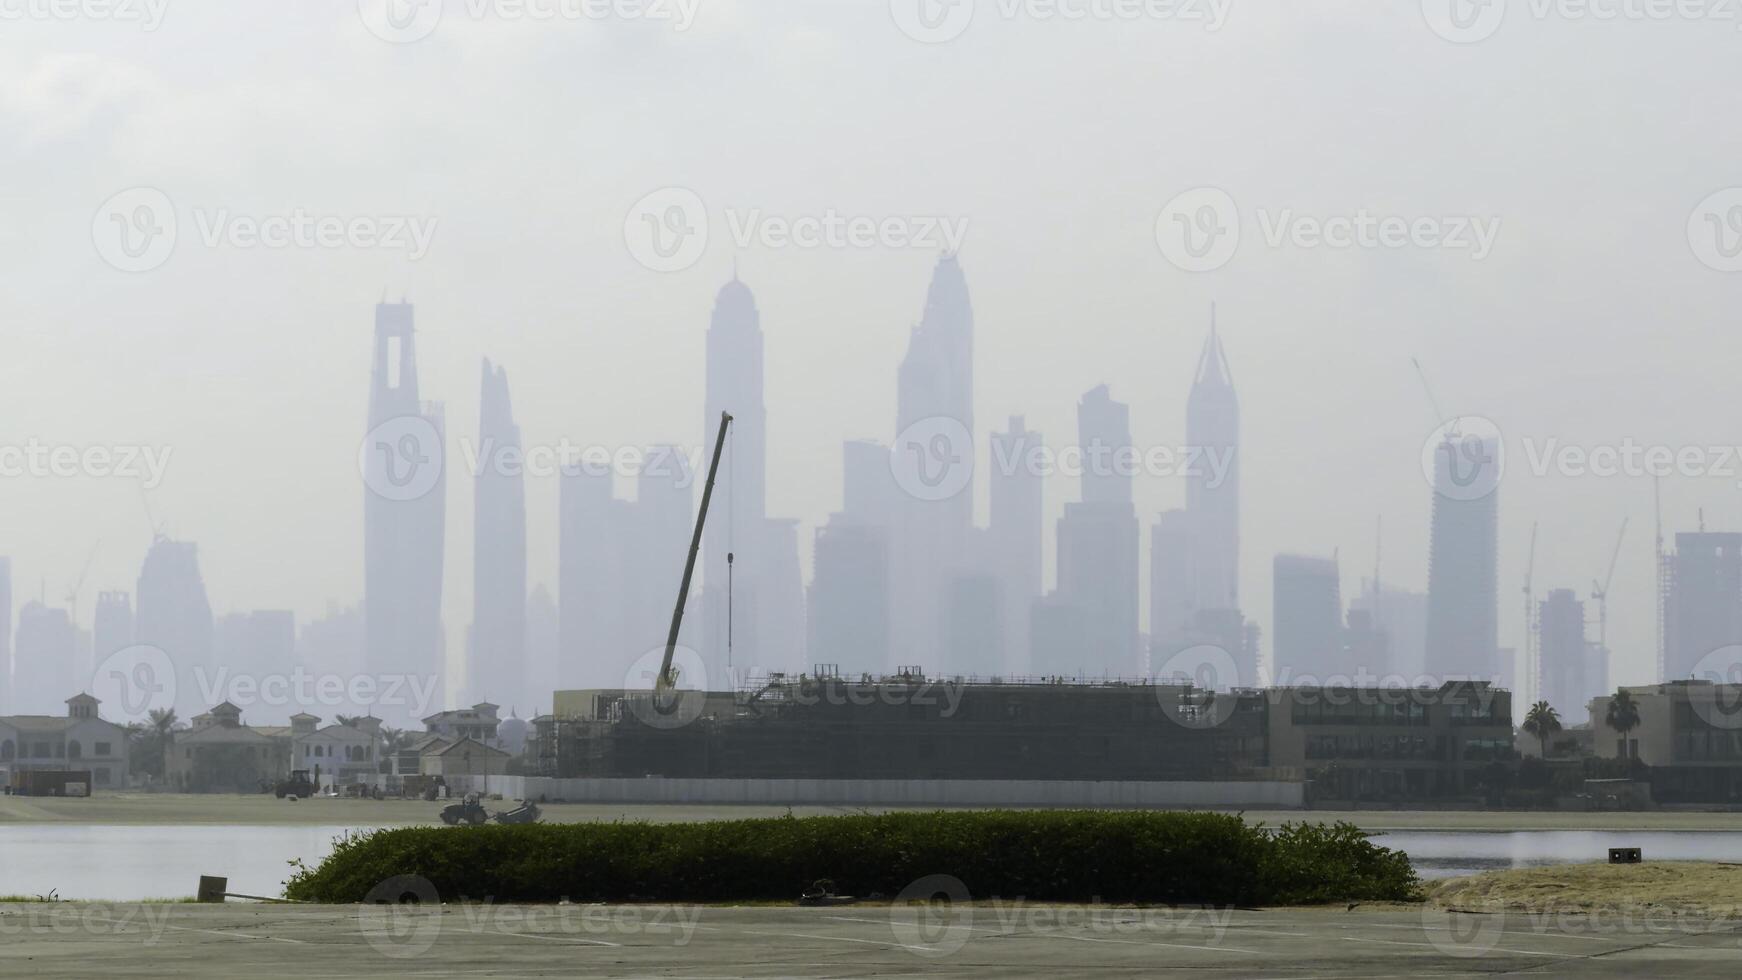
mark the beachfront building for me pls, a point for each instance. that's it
(220, 754)
(1392, 744)
(1689, 732)
(477, 722)
(78, 741)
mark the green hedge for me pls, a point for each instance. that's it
(1065, 856)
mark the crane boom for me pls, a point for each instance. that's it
(665, 680)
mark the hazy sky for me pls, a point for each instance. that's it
(1588, 142)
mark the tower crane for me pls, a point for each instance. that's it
(665, 681)
(1532, 654)
(1600, 593)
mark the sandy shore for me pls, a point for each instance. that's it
(265, 810)
(1661, 888)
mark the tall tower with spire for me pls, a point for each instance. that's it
(1213, 486)
(496, 654)
(404, 510)
(932, 536)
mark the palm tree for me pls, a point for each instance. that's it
(164, 731)
(1542, 721)
(1623, 716)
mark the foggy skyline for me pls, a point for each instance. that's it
(251, 365)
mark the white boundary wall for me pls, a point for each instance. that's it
(895, 792)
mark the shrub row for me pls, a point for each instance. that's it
(1064, 856)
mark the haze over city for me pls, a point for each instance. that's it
(1559, 287)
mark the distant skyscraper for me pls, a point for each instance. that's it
(1462, 588)
(1306, 639)
(175, 616)
(590, 589)
(934, 426)
(1703, 610)
(111, 625)
(404, 511)
(6, 681)
(44, 655)
(332, 644)
(1574, 670)
(1015, 537)
(762, 586)
(496, 661)
(543, 627)
(1402, 617)
(1213, 485)
(258, 644)
(849, 597)
(1097, 544)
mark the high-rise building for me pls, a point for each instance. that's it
(1097, 544)
(1306, 639)
(1703, 609)
(43, 668)
(175, 616)
(1213, 480)
(1402, 616)
(543, 629)
(764, 627)
(1462, 588)
(404, 512)
(1574, 669)
(590, 586)
(496, 667)
(849, 596)
(7, 702)
(1015, 537)
(934, 425)
(111, 624)
(258, 644)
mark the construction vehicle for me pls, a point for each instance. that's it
(298, 785)
(467, 811)
(667, 679)
(526, 812)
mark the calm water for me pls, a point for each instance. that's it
(1446, 855)
(82, 861)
